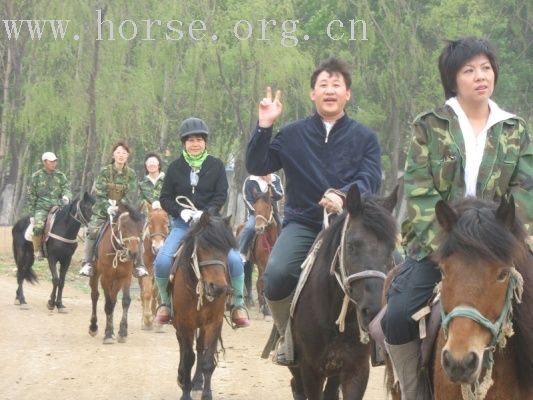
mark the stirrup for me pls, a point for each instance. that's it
(139, 272)
(161, 318)
(241, 322)
(86, 269)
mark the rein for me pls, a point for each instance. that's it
(78, 217)
(345, 281)
(200, 289)
(120, 250)
(500, 330)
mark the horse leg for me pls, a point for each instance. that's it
(208, 363)
(198, 378)
(110, 295)
(185, 341)
(64, 264)
(354, 383)
(126, 301)
(19, 298)
(263, 306)
(297, 386)
(332, 389)
(248, 272)
(93, 283)
(52, 265)
(312, 382)
(145, 284)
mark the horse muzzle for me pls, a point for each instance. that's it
(214, 290)
(463, 370)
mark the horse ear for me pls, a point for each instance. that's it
(506, 211)
(446, 216)
(353, 201)
(227, 220)
(204, 219)
(390, 201)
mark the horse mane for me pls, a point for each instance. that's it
(479, 234)
(215, 235)
(265, 196)
(375, 218)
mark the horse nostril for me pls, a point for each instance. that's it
(446, 359)
(471, 361)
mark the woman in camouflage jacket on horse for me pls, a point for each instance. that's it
(116, 184)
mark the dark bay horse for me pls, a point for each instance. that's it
(116, 253)
(154, 235)
(60, 247)
(200, 289)
(340, 297)
(485, 349)
(266, 234)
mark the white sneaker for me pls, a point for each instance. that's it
(86, 269)
(139, 272)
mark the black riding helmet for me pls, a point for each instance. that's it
(193, 126)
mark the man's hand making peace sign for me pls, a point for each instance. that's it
(269, 110)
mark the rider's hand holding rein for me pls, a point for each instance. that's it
(332, 201)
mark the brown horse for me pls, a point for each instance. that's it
(200, 289)
(340, 297)
(266, 233)
(116, 253)
(154, 235)
(486, 296)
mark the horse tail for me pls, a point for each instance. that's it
(22, 252)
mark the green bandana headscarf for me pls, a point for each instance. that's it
(195, 161)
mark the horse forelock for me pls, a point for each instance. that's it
(478, 234)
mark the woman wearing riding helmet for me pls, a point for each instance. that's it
(201, 178)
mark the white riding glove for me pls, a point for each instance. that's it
(186, 214)
(156, 204)
(196, 216)
(65, 200)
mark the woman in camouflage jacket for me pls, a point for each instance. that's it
(468, 147)
(115, 184)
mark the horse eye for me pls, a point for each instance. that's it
(503, 275)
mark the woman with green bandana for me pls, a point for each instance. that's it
(201, 180)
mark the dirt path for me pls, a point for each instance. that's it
(49, 356)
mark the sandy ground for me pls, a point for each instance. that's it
(49, 356)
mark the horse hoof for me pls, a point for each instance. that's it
(24, 306)
(146, 327)
(17, 302)
(50, 306)
(62, 310)
(207, 396)
(122, 339)
(109, 340)
(93, 333)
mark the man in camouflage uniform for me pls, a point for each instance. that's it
(451, 156)
(116, 184)
(48, 188)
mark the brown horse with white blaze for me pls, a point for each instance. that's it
(200, 289)
(117, 251)
(485, 349)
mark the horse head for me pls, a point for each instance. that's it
(479, 245)
(264, 211)
(205, 248)
(367, 241)
(157, 227)
(127, 231)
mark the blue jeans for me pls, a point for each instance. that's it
(165, 255)
(247, 235)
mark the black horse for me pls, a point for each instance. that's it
(339, 299)
(60, 247)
